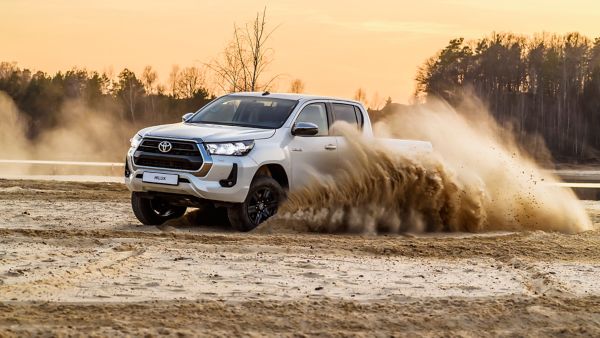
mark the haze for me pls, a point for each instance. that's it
(335, 47)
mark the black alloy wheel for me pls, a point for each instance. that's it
(261, 203)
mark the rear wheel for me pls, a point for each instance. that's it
(262, 202)
(154, 211)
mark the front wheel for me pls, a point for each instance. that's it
(262, 201)
(154, 211)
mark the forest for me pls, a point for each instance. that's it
(547, 85)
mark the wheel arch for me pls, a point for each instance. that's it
(275, 171)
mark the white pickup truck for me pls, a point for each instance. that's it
(242, 151)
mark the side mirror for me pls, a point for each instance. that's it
(305, 129)
(186, 117)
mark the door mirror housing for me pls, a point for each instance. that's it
(305, 129)
(186, 117)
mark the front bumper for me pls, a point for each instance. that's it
(204, 183)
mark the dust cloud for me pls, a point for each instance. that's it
(12, 131)
(84, 134)
(477, 179)
(80, 133)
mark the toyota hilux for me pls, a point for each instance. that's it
(242, 152)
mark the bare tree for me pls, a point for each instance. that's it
(173, 80)
(160, 89)
(149, 77)
(376, 101)
(228, 70)
(297, 86)
(246, 58)
(7, 68)
(190, 81)
(257, 38)
(361, 95)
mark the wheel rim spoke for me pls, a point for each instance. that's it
(258, 217)
(262, 205)
(161, 208)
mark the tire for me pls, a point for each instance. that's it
(154, 211)
(263, 199)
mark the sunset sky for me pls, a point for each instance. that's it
(335, 47)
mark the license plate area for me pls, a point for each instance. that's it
(159, 178)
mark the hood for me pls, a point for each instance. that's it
(207, 132)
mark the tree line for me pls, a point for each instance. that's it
(130, 98)
(546, 85)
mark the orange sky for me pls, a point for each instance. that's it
(335, 47)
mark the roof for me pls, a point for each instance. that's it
(291, 96)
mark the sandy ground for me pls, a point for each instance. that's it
(73, 260)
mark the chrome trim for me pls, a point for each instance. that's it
(207, 161)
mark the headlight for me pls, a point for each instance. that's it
(135, 141)
(231, 148)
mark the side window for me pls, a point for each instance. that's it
(345, 112)
(317, 114)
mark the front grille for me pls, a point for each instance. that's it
(169, 163)
(183, 155)
(185, 148)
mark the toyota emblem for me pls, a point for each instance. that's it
(165, 146)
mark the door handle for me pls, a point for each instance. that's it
(331, 147)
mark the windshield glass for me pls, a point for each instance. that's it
(246, 111)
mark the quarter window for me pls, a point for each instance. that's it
(359, 114)
(317, 114)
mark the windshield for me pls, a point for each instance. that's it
(246, 111)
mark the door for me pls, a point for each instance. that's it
(312, 156)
